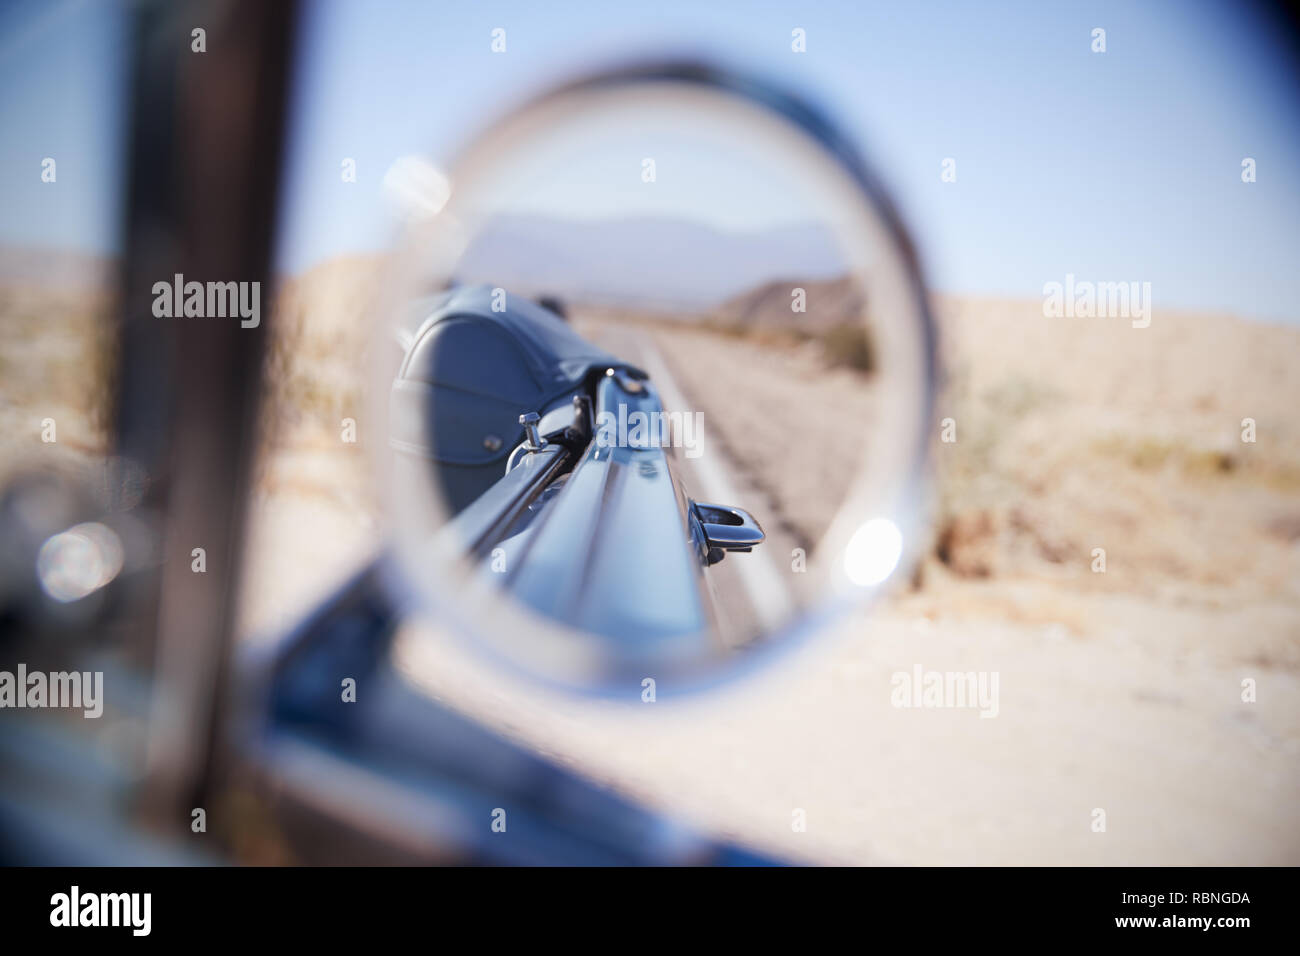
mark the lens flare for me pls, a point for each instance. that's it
(873, 552)
(79, 561)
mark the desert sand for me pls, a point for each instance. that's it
(1120, 691)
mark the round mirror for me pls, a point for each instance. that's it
(660, 387)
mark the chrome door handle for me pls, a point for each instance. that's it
(728, 528)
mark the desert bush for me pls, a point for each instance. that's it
(850, 345)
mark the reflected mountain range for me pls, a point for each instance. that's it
(644, 261)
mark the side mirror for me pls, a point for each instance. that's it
(753, 332)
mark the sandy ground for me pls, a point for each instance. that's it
(1185, 772)
(1119, 692)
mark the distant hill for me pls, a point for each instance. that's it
(643, 261)
(828, 303)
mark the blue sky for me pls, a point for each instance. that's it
(62, 87)
(1122, 165)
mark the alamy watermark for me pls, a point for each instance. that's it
(1111, 300)
(72, 689)
(640, 429)
(76, 908)
(212, 300)
(945, 689)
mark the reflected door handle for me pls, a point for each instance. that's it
(728, 528)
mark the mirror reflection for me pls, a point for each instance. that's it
(645, 368)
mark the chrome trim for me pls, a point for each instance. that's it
(489, 516)
(613, 554)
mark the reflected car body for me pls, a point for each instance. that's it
(576, 516)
